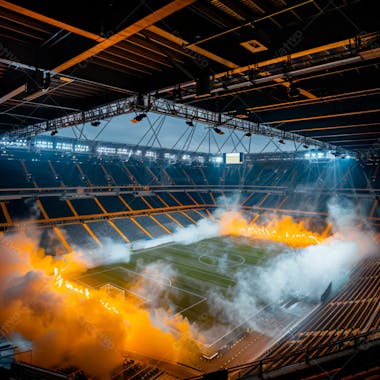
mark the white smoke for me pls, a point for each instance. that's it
(342, 214)
(155, 286)
(230, 203)
(205, 229)
(110, 253)
(296, 274)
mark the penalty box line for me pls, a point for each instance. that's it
(201, 298)
(169, 285)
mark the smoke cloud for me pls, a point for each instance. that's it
(296, 274)
(110, 253)
(205, 229)
(34, 308)
(70, 327)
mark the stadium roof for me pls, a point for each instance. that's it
(310, 67)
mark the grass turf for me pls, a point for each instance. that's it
(199, 268)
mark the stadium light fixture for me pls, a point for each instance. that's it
(138, 118)
(293, 91)
(218, 131)
(202, 86)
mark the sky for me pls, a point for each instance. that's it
(173, 133)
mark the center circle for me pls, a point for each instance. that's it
(231, 259)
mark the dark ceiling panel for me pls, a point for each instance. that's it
(40, 35)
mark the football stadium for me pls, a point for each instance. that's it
(189, 189)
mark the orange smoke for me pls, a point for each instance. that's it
(283, 230)
(70, 325)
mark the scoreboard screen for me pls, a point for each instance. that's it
(233, 158)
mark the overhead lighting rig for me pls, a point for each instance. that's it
(216, 120)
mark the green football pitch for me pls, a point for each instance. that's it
(194, 271)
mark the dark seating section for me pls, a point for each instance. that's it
(41, 172)
(23, 209)
(194, 215)
(334, 320)
(135, 202)
(277, 185)
(168, 199)
(130, 229)
(213, 174)
(13, 175)
(272, 201)
(170, 224)
(2, 217)
(68, 173)
(86, 206)
(183, 198)
(199, 198)
(95, 173)
(78, 237)
(177, 174)
(49, 168)
(181, 217)
(116, 170)
(56, 207)
(154, 201)
(151, 226)
(140, 172)
(105, 232)
(255, 199)
(112, 203)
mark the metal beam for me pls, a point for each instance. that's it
(184, 44)
(324, 99)
(129, 31)
(318, 117)
(348, 44)
(101, 216)
(252, 23)
(138, 26)
(318, 129)
(50, 21)
(170, 108)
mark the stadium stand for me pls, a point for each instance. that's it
(83, 201)
(70, 190)
(337, 339)
(298, 80)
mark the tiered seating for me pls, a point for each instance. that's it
(78, 236)
(38, 171)
(13, 174)
(55, 207)
(68, 173)
(134, 370)
(134, 202)
(112, 203)
(41, 173)
(105, 232)
(130, 229)
(183, 198)
(354, 310)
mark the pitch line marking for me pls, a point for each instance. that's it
(201, 298)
